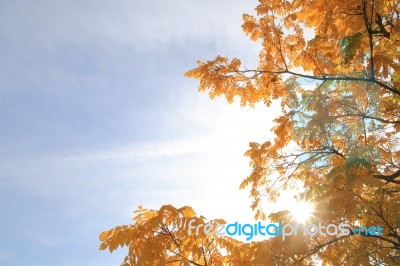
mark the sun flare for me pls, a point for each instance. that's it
(301, 211)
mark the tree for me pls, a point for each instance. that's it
(338, 137)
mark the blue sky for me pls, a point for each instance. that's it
(97, 118)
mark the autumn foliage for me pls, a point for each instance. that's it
(334, 68)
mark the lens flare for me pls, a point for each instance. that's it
(301, 211)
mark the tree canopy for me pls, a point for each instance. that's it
(334, 68)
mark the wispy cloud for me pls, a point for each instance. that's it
(44, 239)
(230, 129)
(139, 151)
(127, 154)
(135, 22)
(7, 255)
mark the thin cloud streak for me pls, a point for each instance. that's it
(127, 154)
(232, 124)
(7, 255)
(141, 151)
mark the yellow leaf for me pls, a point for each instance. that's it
(220, 221)
(187, 211)
(103, 246)
(104, 235)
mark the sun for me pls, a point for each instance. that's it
(301, 211)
